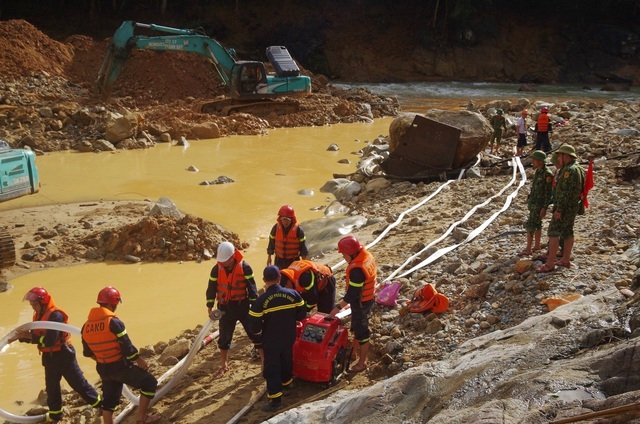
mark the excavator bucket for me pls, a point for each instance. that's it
(427, 149)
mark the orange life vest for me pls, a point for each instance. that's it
(543, 122)
(96, 333)
(64, 338)
(365, 261)
(232, 286)
(287, 245)
(321, 274)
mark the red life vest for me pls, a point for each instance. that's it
(365, 261)
(96, 333)
(321, 274)
(287, 244)
(543, 122)
(232, 286)
(64, 338)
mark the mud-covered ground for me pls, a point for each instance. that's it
(488, 285)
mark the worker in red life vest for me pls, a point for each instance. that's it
(286, 240)
(105, 339)
(231, 283)
(315, 282)
(543, 129)
(361, 282)
(58, 355)
(273, 316)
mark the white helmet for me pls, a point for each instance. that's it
(225, 251)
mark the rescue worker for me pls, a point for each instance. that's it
(537, 202)
(58, 354)
(273, 317)
(315, 282)
(105, 339)
(361, 281)
(543, 130)
(568, 200)
(498, 123)
(286, 240)
(231, 283)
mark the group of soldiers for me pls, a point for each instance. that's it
(565, 191)
(294, 286)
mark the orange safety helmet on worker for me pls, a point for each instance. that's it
(96, 331)
(40, 295)
(231, 286)
(361, 258)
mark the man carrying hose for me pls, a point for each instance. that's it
(58, 355)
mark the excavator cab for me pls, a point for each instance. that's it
(247, 78)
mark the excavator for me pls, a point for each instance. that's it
(251, 89)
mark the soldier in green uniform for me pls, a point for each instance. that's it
(498, 122)
(537, 202)
(568, 190)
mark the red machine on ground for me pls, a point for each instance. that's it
(320, 353)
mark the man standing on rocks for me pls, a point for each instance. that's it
(568, 200)
(537, 201)
(521, 129)
(286, 240)
(543, 130)
(273, 318)
(498, 123)
(361, 283)
(231, 283)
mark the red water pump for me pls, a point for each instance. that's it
(320, 352)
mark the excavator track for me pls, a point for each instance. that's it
(261, 108)
(7, 249)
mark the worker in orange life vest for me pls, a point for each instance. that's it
(315, 282)
(543, 129)
(58, 355)
(361, 281)
(286, 240)
(232, 285)
(105, 339)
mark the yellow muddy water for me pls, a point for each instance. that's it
(161, 300)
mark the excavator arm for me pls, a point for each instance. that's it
(187, 40)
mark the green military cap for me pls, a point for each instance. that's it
(568, 150)
(500, 111)
(538, 154)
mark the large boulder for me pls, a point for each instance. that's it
(476, 131)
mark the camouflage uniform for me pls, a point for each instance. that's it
(539, 197)
(567, 199)
(498, 123)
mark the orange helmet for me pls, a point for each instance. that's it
(286, 211)
(109, 296)
(349, 245)
(38, 294)
(544, 109)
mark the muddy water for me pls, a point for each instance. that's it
(161, 300)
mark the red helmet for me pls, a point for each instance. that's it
(544, 109)
(109, 296)
(37, 294)
(349, 245)
(286, 211)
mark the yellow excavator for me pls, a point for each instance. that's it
(250, 88)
